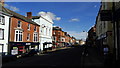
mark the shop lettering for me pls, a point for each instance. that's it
(28, 43)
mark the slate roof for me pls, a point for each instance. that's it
(18, 16)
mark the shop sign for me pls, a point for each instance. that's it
(14, 52)
(28, 43)
(14, 48)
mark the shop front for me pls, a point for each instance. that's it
(22, 47)
(1, 49)
(47, 46)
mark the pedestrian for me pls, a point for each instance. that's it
(106, 50)
(85, 50)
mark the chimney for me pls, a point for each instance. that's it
(2, 2)
(29, 15)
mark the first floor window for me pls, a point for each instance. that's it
(2, 20)
(18, 35)
(1, 34)
(35, 37)
(28, 37)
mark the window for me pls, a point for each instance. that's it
(46, 31)
(18, 35)
(19, 24)
(49, 31)
(35, 28)
(28, 37)
(1, 34)
(35, 37)
(42, 30)
(2, 20)
(28, 26)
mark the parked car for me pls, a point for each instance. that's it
(31, 52)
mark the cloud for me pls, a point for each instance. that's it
(74, 20)
(95, 6)
(11, 7)
(78, 35)
(50, 14)
(58, 18)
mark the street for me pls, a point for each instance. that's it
(71, 57)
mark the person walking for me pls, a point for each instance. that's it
(85, 50)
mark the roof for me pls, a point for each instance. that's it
(18, 16)
(35, 17)
(57, 28)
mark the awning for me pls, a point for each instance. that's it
(45, 43)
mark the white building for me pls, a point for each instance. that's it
(45, 36)
(4, 31)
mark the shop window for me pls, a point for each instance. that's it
(1, 34)
(18, 35)
(2, 20)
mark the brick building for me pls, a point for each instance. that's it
(23, 34)
(61, 38)
(58, 37)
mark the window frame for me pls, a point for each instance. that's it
(28, 36)
(28, 27)
(35, 28)
(2, 36)
(18, 36)
(2, 20)
(20, 24)
(35, 37)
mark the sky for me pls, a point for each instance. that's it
(72, 17)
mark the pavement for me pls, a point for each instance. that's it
(92, 60)
(95, 60)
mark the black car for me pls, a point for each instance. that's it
(31, 52)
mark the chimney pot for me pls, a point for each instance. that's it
(29, 15)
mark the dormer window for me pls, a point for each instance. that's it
(19, 24)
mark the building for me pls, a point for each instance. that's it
(116, 25)
(46, 23)
(61, 38)
(58, 37)
(104, 29)
(4, 31)
(91, 36)
(23, 33)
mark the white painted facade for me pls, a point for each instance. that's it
(46, 24)
(5, 33)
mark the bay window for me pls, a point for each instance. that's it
(35, 37)
(18, 35)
